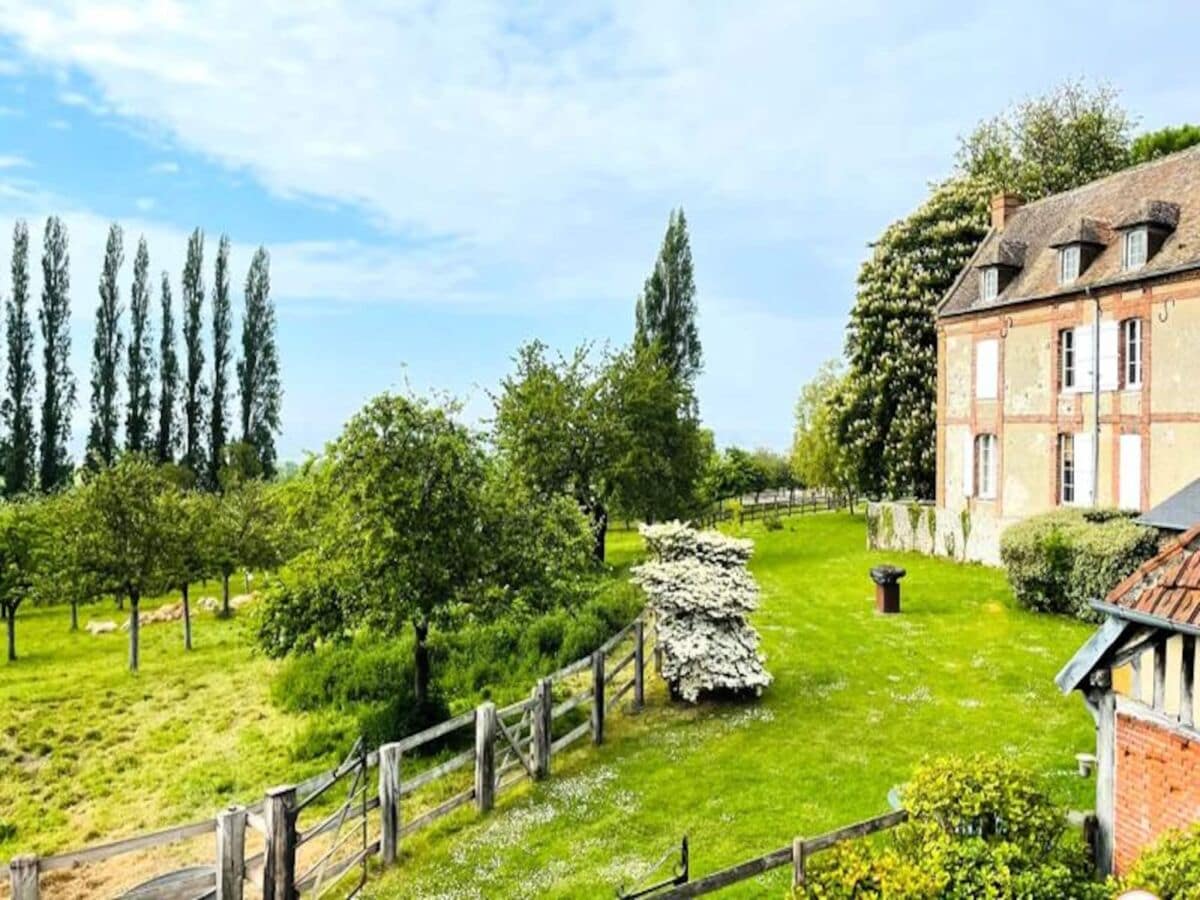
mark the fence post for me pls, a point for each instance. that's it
(279, 866)
(598, 697)
(23, 877)
(231, 852)
(543, 722)
(639, 664)
(798, 854)
(485, 757)
(389, 802)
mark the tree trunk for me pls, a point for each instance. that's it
(74, 615)
(134, 598)
(599, 531)
(10, 619)
(225, 610)
(120, 602)
(187, 618)
(421, 662)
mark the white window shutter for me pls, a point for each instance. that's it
(1084, 352)
(1083, 468)
(968, 464)
(1110, 337)
(1130, 485)
(987, 369)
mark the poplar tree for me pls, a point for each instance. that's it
(167, 439)
(107, 345)
(17, 408)
(58, 396)
(194, 390)
(140, 365)
(258, 369)
(222, 326)
(666, 309)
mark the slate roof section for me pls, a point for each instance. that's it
(1167, 587)
(1179, 512)
(1003, 253)
(1150, 189)
(1083, 231)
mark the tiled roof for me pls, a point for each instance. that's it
(1166, 587)
(1179, 512)
(1160, 192)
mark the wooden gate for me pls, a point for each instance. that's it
(337, 843)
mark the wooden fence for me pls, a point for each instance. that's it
(511, 744)
(776, 503)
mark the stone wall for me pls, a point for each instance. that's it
(970, 534)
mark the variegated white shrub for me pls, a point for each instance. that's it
(701, 593)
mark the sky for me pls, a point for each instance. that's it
(438, 183)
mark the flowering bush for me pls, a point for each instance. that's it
(701, 593)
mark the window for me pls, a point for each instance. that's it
(1135, 248)
(1066, 469)
(1068, 264)
(1131, 347)
(985, 466)
(989, 283)
(1066, 359)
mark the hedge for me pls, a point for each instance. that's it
(1059, 561)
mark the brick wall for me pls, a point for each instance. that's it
(1157, 784)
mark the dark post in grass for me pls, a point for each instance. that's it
(887, 588)
(279, 867)
(389, 802)
(23, 877)
(231, 853)
(485, 757)
(639, 664)
(543, 719)
(598, 697)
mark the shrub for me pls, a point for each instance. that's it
(1059, 561)
(773, 522)
(979, 827)
(305, 605)
(1171, 868)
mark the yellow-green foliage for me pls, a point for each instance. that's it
(1171, 868)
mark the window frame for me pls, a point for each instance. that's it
(986, 465)
(1067, 359)
(1142, 237)
(1070, 253)
(1133, 366)
(1067, 470)
(989, 283)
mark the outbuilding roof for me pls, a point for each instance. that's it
(1163, 193)
(1179, 512)
(1165, 589)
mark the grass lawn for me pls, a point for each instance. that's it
(857, 701)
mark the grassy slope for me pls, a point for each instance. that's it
(89, 751)
(858, 700)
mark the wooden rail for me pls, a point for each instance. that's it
(512, 744)
(748, 509)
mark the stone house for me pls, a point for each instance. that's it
(1069, 354)
(1137, 674)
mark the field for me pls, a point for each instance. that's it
(92, 752)
(857, 701)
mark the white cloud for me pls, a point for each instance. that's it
(144, 204)
(166, 167)
(13, 162)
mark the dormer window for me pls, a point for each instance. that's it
(1136, 248)
(1068, 264)
(989, 283)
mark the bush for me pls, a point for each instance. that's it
(304, 606)
(1171, 868)
(979, 827)
(1059, 561)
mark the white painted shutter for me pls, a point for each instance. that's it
(1110, 336)
(1084, 352)
(1130, 485)
(987, 369)
(1083, 468)
(968, 465)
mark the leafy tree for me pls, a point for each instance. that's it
(64, 568)
(258, 369)
(242, 534)
(1167, 140)
(58, 394)
(412, 476)
(666, 309)
(657, 455)
(222, 326)
(16, 412)
(818, 460)
(18, 542)
(195, 391)
(140, 365)
(239, 464)
(1068, 137)
(188, 549)
(167, 439)
(125, 511)
(773, 470)
(552, 426)
(107, 345)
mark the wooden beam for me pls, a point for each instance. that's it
(799, 856)
(639, 665)
(1187, 681)
(231, 853)
(1159, 696)
(598, 697)
(23, 877)
(279, 867)
(485, 757)
(390, 757)
(543, 722)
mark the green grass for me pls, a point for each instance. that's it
(858, 700)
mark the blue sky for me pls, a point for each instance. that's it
(439, 182)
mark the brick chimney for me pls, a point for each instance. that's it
(1003, 206)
